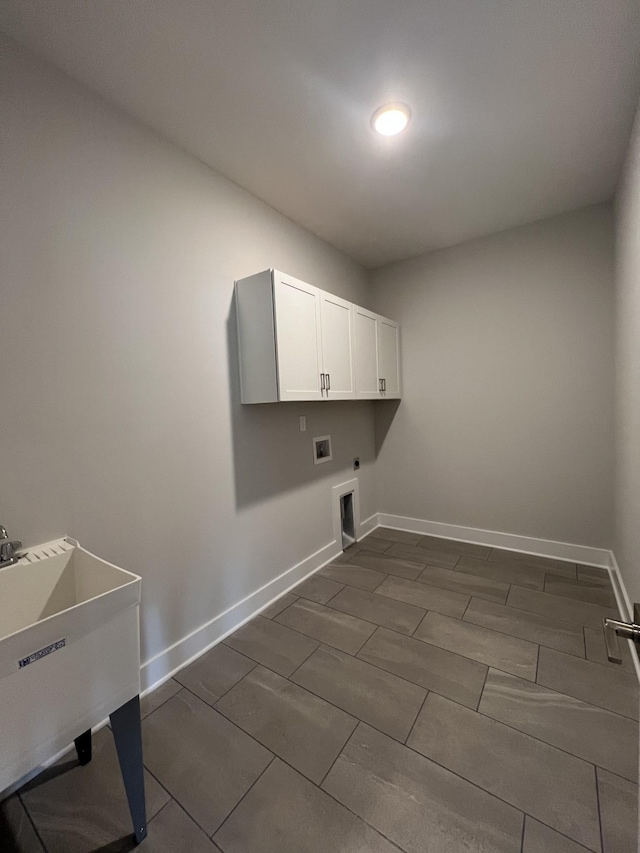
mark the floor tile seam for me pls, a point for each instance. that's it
(580, 600)
(260, 744)
(295, 631)
(354, 563)
(356, 720)
(426, 643)
(563, 834)
(414, 683)
(484, 684)
(235, 725)
(462, 619)
(449, 770)
(186, 687)
(327, 642)
(169, 794)
(340, 751)
(592, 583)
(464, 571)
(535, 556)
(595, 770)
(558, 598)
(568, 696)
(322, 790)
(353, 586)
(493, 666)
(355, 716)
(32, 822)
(255, 782)
(164, 701)
(619, 777)
(413, 724)
(307, 690)
(377, 624)
(535, 642)
(168, 803)
(429, 586)
(546, 742)
(343, 587)
(592, 704)
(456, 589)
(545, 615)
(421, 686)
(523, 812)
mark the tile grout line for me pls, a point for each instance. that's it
(491, 794)
(368, 621)
(255, 782)
(428, 643)
(552, 745)
(413, 724)
(340, 751)
(32, 822)
(597, 781)
(164, 701)
(484, 684)
(530, 613)
(315, 784)
(255, 740)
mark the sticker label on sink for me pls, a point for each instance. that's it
(42, 653)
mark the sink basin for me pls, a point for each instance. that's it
(69, 651)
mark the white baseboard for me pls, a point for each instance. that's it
(174, 658)
(368, 526)
(163, 665)
(583, 554)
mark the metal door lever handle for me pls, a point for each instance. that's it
(614, 629)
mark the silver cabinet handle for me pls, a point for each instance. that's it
(322, 385)
(614, 629)
(380, 385)
(384, 384)
(328, 381)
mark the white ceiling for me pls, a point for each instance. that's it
(522, 108)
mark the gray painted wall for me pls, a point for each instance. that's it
(121, 423)
(627, 492)
(507, 351)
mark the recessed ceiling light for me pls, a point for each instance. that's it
(391, 119)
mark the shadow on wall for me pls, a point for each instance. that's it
(271, 455)
(385, 413)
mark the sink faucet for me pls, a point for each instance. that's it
(8, 548)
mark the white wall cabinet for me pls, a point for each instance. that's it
(337, 347)
(297, 309)
(297, 342)
(368, 383)
(389, 358)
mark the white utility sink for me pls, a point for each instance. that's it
(69, 651)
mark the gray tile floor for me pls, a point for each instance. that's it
(417, 695)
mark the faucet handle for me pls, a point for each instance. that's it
(3, 532)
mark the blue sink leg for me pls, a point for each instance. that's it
(127, 733)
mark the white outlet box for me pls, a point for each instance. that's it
(303, 423)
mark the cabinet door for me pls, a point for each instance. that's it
(337, 346)
(366, 354)
(297, 318)
(389, 357)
